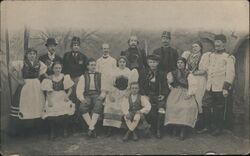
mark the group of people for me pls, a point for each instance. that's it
(138, 92)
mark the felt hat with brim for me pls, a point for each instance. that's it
(51, 41)
(166, 34)
(153, 57)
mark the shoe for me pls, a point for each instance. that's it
(158, 134)
(94, 135)
(126, 136)
(182, 135)
(204, 130)
(135, 137)
(109, 132)
(90, 133)
(216, 132)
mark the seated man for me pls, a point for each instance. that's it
(89, 92)
(134, 107)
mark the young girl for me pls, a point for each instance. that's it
(134, 108)
(28, 100)
(181, 108)
(58, 106)
(118, 89)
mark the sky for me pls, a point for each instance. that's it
(110, 15)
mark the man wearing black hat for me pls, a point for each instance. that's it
(168, 55)
(136, 59)
(220, 70)
(51, 57)
(75, 64)
(156, 89)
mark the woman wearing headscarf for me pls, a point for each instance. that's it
(181, 108)
(28, 100)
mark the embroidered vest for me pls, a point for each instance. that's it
(57, 86)
(180, 80)
(135, 106)
(97, 82)
(29, 71)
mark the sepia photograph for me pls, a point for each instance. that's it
(123, 77)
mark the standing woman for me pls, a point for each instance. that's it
(119, 87)
(181, 109)
(28, 100)
(58, 106)
(197, 83)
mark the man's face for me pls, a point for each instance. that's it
(92, 66)
(51, 48)
(152, 64)
(134, 89)
(133, 41)
(76, 47)
(180, 64)
(165, 41)
(31, 56)
(105, 49)
(219, 45)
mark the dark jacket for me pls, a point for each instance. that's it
(168, 59)
(46, 60)
(74, 66)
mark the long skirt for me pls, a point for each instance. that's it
(112, 109)
(56, 106)
(200, 89)
(27, 106)
(180, 110)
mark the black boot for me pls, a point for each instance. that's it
(52, 131)
(182, 133)
(206, 119)
(65, 130)
(109, 131)
(135, 137)
(126, 136)
(159, 125)
(219, 122)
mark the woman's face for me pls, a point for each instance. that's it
(180, 64)
(57, 68)
(153, 64)
(122, 63)
(196, 48)
(31, 56)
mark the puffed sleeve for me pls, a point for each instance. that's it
(67, 82)
(17, 65)
(46, 85)
(230, 72)
(43, 68)
(146, 106)
(125, 106)
(134, 76)
(186, 54)
(80, 88)
(170, 78)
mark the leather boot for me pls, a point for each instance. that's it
(159, 125)
(126, 136)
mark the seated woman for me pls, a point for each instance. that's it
(58, 107)
(118, 87)
(181, 108)
(134, 108)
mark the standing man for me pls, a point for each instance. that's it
(168, 55)
(106, 64)
(220, 70)
(136, 59)
(51, 56)
(74, 64)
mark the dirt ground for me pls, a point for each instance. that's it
(79, 144)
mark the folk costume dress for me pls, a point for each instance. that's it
(28, 100)
(180, 110)
(118, 89)
(56, 88)
(197, 83)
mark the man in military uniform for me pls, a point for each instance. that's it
(168, 55)
(220, 70)
(75, 64)
(51, 56)
(136, 59)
